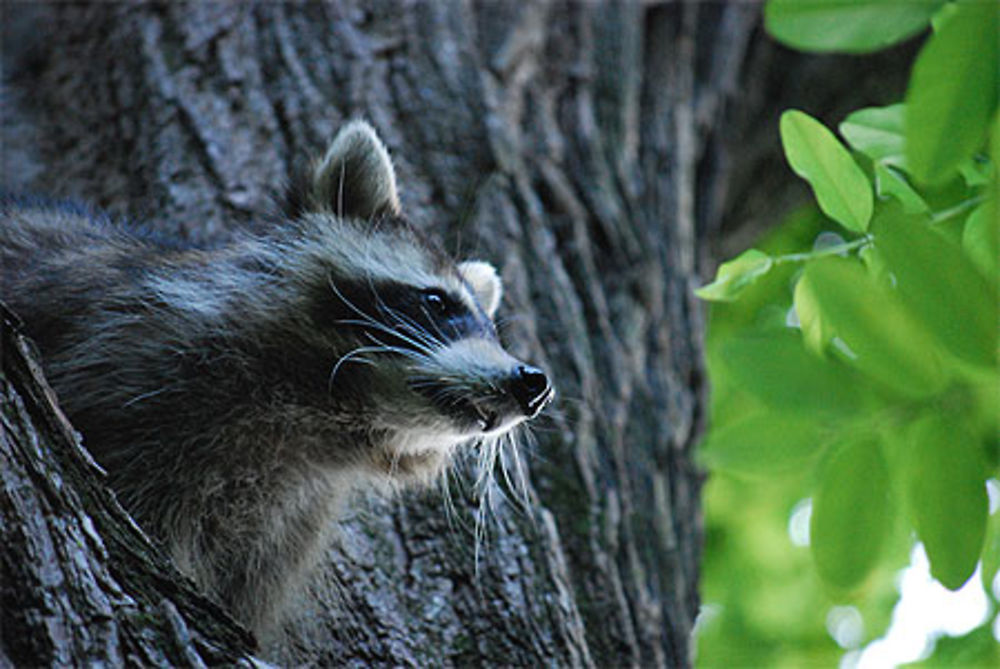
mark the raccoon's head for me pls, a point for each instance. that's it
(412, 330)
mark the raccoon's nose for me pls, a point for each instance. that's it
(530, 387)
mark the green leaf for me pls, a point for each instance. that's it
(841, 187)
(838, 297)
(939, 285)
(942, 16)
(981, 238)
(736, 276)
(816, 329)
(851, 26)
(877, 132)
(850, 514)
(889, 182)
(876, 266)
(946, 488)
(978, 648)
(952, 92)
(981, 235)
(975, 172)
(763, 444)
(778, 370)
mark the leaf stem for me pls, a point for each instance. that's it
(959, 208)
(828, 251)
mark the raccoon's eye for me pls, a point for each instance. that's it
(436, 301)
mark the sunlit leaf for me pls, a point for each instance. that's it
(841, 187)
(735, 276)
(981, 238)
(764, 444)
(778, 370)
(839, 297)
(816, 329)
(877, 132)
(850, 514)
(952, 92)
(875, 263)
(852, 26)
(947, 492)
(939, 284)
(889, 182)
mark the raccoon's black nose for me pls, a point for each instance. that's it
(530, 387)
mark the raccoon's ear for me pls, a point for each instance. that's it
(485, 283)
(354, 178)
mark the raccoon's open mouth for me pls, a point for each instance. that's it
(487, 420)
(480, 415)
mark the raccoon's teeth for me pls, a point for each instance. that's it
(488, 420)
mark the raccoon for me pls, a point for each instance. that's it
(238, 395)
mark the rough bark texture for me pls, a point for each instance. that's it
(576, 145)
(80, 582)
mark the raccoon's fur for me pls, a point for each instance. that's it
(237, 395)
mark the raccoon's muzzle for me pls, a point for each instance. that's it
(504, 399)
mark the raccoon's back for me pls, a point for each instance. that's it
(75, 279)
(59, 261)
(139, 335)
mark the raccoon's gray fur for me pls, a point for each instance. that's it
(237, 395)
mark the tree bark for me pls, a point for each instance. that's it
(79, 581)
(579, 146)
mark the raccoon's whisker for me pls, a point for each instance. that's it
(530, 444)
(368, 318)
(415, 330)
(404, 321)
(429, 388)
(443, 337)
(385, 310)
(504, 469)
(428, 381)
(494, 387)
(450, 512)
(144, 396)
(484, 508)
(340, 188)
(414, 327)
(388, 348)
(369, 323)
(417, 338)
(350, 356)
(487, 459)
(520, 483)
(386, 329)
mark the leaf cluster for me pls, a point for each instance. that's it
(867, 359)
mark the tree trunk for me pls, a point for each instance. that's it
(576, 145)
